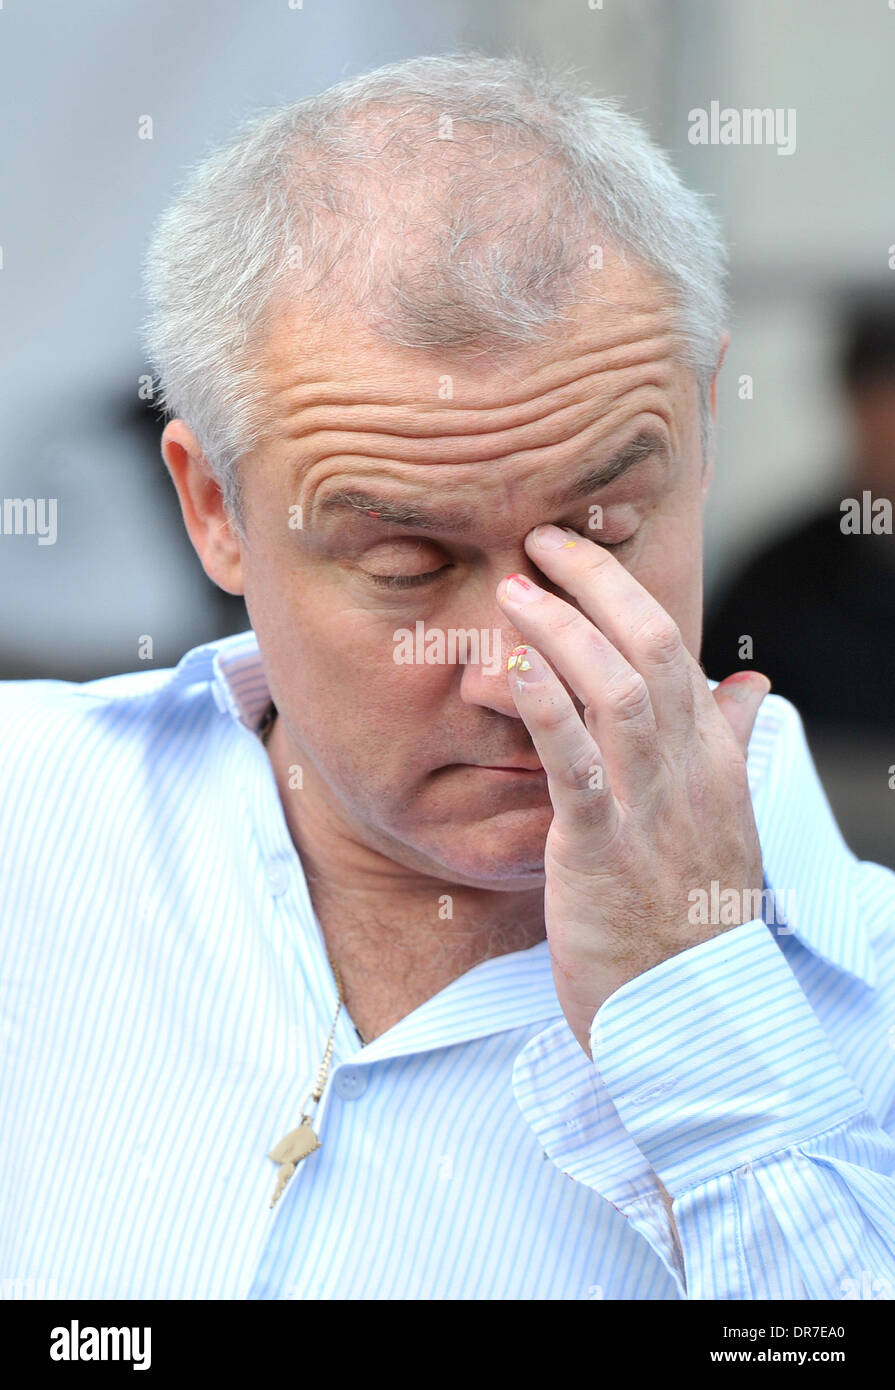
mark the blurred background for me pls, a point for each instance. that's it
(807, 393)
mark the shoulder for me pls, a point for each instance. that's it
(58, 714)
(61, 736)
(802, 840)
(72, 700)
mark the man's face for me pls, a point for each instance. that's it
(873, 414)
(487, 448)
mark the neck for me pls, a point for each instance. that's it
(398, 935)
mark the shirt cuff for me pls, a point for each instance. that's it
(714, 1058)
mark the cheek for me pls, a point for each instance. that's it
(340, 662)
(670, 568)
(331, 664)
(405, 695)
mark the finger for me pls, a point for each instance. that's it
(576, 775)
(634, 622)
(739, 698)
(617, 711)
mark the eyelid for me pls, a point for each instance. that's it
(411, 581)
(407, 581)
(404, 581)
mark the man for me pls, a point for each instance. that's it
(816, 601)
(341, 966)
(816, 598)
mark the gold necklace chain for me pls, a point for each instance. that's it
(303, 1141)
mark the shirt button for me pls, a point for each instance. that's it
(745, 1171)
(277, 877)
(350, 1082)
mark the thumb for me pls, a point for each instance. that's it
(739, 698)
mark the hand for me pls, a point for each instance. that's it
(649, 790)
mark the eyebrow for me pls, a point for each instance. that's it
(644, 445)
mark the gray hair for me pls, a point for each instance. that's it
(451, 195)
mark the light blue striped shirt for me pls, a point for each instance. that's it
(166, 1001)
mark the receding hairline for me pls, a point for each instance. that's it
(219, 252)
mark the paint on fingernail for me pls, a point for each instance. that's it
(551, 537)
(521, 590)
(741, 686)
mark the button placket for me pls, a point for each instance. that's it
(277, 877)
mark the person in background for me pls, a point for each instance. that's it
(819, 601)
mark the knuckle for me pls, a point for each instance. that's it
(596, 561)
(553, 717)
(629, 696)
(580, 769)
(583, 774)
(662, 639)
(566, 619)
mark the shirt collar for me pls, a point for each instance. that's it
(807, 863)
(233, 668)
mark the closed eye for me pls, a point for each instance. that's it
(615, 545)
(411, 581)
(405, 581)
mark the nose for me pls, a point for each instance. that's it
(485, 681)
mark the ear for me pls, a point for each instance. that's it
(713, 402)
(211, 529)
(725, 343)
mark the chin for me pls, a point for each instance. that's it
(506, 851)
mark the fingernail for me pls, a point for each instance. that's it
(526, 663)
(743, 686)
(551, 537)
(521, 590)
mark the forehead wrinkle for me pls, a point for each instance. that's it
(369, 505)
(553, 430)
(526, 388)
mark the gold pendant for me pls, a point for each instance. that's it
(290, 1151)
